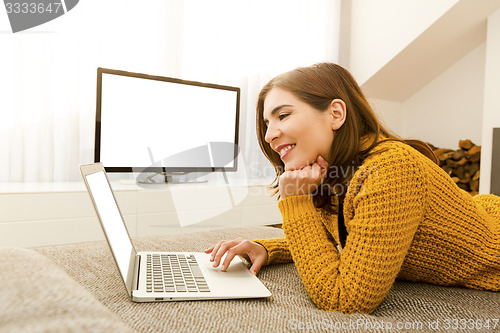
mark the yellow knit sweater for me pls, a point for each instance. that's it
(405, 218)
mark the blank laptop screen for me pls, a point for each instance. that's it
(111, 220)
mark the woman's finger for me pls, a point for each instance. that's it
(224, 247)
(216, 249)
(322, 162)
(257, 264)
(231, 253)
(210, 249)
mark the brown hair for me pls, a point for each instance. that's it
(318, 85)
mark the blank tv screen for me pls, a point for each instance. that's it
(141, 119)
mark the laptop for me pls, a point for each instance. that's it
(164, 276)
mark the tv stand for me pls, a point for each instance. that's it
(170, 178)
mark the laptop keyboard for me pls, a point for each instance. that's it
(174, 273)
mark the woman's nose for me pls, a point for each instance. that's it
(271, 133)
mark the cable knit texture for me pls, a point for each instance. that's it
(405, 218)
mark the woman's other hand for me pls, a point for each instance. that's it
(304, 180)
(250, 251)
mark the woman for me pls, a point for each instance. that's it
(361, 207)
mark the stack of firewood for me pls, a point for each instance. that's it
(462, 164)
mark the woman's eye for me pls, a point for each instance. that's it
(283, 116)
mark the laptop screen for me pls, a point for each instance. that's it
(111, 221)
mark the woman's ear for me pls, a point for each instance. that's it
(338, 112)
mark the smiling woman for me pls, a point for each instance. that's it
(391, 212)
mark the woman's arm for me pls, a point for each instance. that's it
(383, 209)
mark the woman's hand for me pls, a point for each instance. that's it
(302, 181)
(250, 251)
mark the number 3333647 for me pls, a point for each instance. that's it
(32, 7)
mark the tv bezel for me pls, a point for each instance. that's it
(151, 168)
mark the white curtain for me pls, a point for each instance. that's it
(48, 73)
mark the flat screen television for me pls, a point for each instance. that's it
(164, 125)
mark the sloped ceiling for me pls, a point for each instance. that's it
(451, 37)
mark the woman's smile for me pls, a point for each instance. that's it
(284, 150)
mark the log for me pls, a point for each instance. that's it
(462, 164)
(466, 144)
(474, 168)
(459, 155)
(472, 151)
(474, 185)
(445, 156)
(459, 172)
(462, 161)
(476, 157)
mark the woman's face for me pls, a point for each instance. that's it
(295, 130)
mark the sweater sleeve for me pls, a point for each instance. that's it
(277, 250)
(382, 209)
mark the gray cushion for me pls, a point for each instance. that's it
(36, 295)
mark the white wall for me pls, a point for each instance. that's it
(389, 112)
(491, 111)
(381, 29)
(450, 107)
